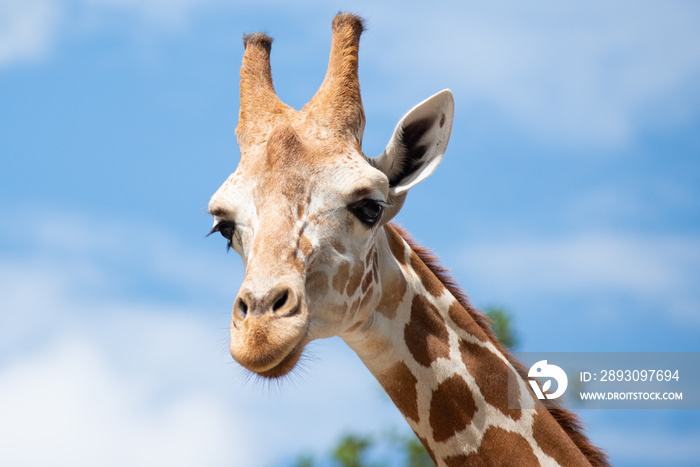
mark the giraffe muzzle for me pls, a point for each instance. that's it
(269, 329)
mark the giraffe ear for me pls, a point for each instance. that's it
(418, 143)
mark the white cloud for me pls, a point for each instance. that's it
(106, 254)
(590, 72)
(657, 270)
(171, 12)
(27, 29)
(67, 406)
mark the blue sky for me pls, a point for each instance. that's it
(570, 193)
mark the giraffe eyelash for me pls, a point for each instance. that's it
(227, 229)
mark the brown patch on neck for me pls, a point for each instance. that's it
(396, 243)
(491, 375)
(392, 294)
(426, 333)
(431, 283)
(452, 408)
(461, 318)
(400, 384)
(499, 447)
(568, 421)
(458, 461)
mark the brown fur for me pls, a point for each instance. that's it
(497, 445)
(400, 384)
(392, 293)
(568, 421)
(431, 283)
(447, 415)
(457, 315)
(491, 375)
(426, 333)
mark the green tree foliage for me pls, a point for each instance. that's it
(502, 326)
(416, 455)
(352, 450)
(304, 461)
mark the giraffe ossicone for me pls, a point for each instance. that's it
(309, 215)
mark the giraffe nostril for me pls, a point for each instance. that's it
(280, 301)
(242, 308)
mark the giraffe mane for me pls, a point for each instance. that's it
(570, 422)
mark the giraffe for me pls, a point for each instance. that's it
(310, 216)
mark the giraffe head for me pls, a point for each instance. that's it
(304, 206)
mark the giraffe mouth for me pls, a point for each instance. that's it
(286, 365)
(264, 352)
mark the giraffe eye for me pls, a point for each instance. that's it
(368, 211)
(226, 229)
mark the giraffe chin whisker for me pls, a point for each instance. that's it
(283, 367)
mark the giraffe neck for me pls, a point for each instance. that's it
(448, 375)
